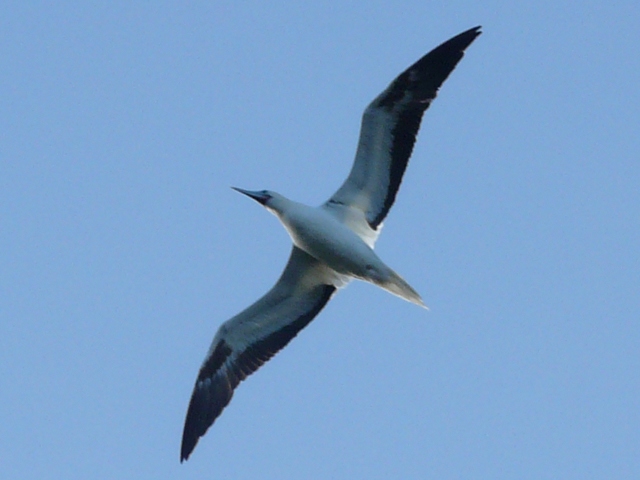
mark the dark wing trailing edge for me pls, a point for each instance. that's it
(389, 128)
(248, 340)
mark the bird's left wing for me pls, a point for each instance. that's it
(246, 341)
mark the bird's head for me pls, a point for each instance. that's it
(262, 196)
(272, 201)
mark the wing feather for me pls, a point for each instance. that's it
(389, 128)
(248, 340)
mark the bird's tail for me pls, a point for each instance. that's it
(398, 286)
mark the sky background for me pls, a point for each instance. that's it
(122, 247)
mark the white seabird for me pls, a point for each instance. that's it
(332, 243)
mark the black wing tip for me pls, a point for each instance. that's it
(184, 454)
(189, 443)
(476, 30)
(467, 36)
(459, 43)
(206, 404)
(210, 399)
(201, 414)
(187, 447)
(190, 434)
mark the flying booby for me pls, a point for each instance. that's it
(332, 243)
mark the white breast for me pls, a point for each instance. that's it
(323, 236)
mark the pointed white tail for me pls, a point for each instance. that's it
(398, 286)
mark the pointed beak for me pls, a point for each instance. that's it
(259, 197)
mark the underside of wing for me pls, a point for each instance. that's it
(389, 128)
(248, 340)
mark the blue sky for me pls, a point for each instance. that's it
(122, 247)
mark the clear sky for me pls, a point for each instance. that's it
(122, 247)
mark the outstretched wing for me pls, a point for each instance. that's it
(389, 128)
(246, 341)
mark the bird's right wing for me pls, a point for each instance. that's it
(389, 128)
(243, 343)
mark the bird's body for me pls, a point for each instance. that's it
(322, 233)
(323, 236)
(332, 243)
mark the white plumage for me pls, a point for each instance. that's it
(332, 243)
